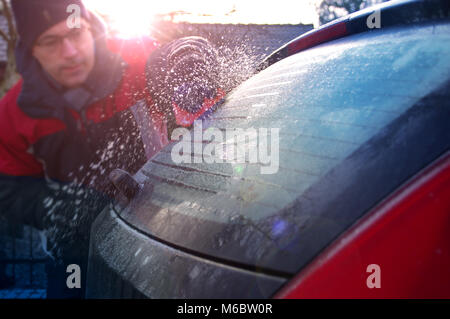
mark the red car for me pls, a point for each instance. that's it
(356, 203)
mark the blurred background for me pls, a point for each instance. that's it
(246, 30)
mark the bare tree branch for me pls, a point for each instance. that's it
(9, 18)
(10, 76)
(4, 36)
(329, 10)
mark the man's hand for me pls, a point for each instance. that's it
(182, 78)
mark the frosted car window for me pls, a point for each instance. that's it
(326, 102)
(333, 106)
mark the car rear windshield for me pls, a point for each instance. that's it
(343, 125)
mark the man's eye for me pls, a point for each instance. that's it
(50, 43)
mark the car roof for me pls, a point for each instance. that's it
(392, 13)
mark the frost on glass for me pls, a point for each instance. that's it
(326, 101)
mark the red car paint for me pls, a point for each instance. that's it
(408, 236)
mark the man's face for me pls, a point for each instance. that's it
(66, 54)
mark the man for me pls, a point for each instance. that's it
(88, 104)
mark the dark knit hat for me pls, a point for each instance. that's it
(34, 17)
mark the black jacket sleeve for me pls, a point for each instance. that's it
(64, 211)
(22, 199)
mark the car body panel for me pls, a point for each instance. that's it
(406, 238)
(127, 264)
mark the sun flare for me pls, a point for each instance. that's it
(129, 18)
(132, 18)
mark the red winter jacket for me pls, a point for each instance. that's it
(42, 141)
(19, 132)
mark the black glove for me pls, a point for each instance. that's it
(183, 72)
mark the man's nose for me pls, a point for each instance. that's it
(68, 49)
